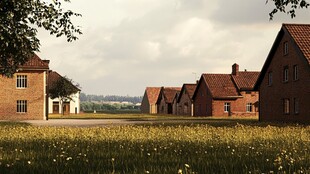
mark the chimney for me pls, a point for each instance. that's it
(235, 69)
(46, 61)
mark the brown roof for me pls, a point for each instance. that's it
(152, 94)
(54, 76)
(35, 63)
(190, 90)
(220, 85)
(301, 34)
(170, 92)
(245, 80)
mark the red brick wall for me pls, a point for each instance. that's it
(271, 97)
(237, 106)
(162, 107)
(203, 101)
(34, 94)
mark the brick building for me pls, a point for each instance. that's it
(284, 82)
(69, 107)
(149, 100)
(24, 96)
(185, 103)
(226, 94)
(165, 99)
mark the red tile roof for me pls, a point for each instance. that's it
(35, 63)
(190, 88)
(152, 94)
(245, 80)
(220, 85)
(301, 34)
(170, 92)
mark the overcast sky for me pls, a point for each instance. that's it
(128, 45)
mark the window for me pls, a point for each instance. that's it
(296, 106)
(286, 106)
(269, 78)
(285, 74)
(285, 48)
(21, 81)
(295, 72)
(226, 107)
(249, 107)
(21, 106)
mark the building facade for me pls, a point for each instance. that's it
(148, 105)
(24, 96)
(185, 101)
(226, 94)
(284, 82)
(165, 99)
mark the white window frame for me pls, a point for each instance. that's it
(21, 81)
(227, 107)
(249, 107)
(21, 106)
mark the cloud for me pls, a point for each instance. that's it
(128, 45)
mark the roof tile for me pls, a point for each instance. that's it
(152, 94)
(301, 34)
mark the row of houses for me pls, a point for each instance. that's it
(280, 92)
(25, 95)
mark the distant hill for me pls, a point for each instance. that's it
(109, 98)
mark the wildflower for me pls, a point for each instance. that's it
(186, 165)
(29, 162)
(54, 160)
(180, 171)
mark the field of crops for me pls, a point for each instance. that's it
(155, 149)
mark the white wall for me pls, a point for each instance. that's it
(75, 103)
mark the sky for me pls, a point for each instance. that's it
(128, 45)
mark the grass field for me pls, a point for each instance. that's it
(198, 148)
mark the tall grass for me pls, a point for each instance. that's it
(155, 149)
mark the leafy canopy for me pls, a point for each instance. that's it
(287, 6)
(19, 20)
(63, 88)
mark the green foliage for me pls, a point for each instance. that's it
(287, 6)
(19, 20)
(155, 149)
(63, 88)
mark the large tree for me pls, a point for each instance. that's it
(63, 88)
(287, 6)
(19, 21)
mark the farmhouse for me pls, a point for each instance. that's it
(69, 107)
(185, 103)
(24, 96)
(284, 82)
(149, 100)
(165, 99)
(226, 94)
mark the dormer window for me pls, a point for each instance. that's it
(285, 48)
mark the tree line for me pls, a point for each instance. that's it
(109, 98)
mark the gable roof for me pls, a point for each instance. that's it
(152, 94)
(299, 34)
(189, 88)
(169, 94)
(36, 63)
(245, 80)
(53, 76)
(220, 85)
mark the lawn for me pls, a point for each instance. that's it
(196, 148)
